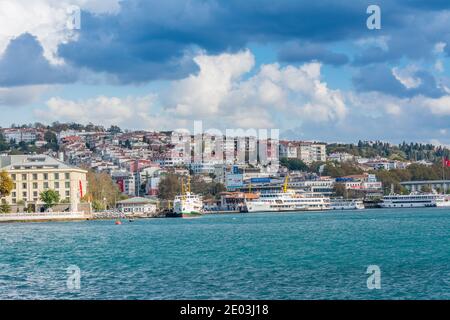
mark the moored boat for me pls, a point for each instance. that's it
(287, 200)
(346, 204)
(413, 200)
(188, 204)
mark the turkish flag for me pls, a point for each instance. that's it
(445, 162)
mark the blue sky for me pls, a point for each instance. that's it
(311, 69)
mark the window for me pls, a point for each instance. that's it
(67, 175)
(24, 177)
(24, 185)
(67, 185)
(45, 185)
(56, 176)
(35, 185)
(13, 194)
(35, 176)
(35, 194)
(56, 185)
(24, 195)
(13, 176)
(67, 193)
(45, 176)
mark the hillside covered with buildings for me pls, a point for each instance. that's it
(103, 166)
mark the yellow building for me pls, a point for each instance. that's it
(36, 173)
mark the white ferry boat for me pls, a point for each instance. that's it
(442, 200)
(187, 204)
(346, 204)
(413, 200)
(287, 200)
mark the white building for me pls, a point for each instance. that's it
(308, 152)
(34, 174)
(137, 206)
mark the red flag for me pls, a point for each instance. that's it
(445, 162)
(81, 189)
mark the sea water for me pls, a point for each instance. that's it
(305, 255)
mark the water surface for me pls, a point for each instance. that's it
(321, 255)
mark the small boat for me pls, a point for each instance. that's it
(118, 222)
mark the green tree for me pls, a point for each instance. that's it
(6, 184)
(5, 207)
(50, 198)
(169, 186)
(98, 205)
(294, 164)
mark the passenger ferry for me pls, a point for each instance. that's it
(442, 200)
(413, 200)
(287, 200)
(346, 204)
(187, 204)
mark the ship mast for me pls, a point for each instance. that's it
(285, 185)
(183, 195)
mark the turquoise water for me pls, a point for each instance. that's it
(248, 256)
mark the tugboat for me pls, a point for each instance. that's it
(187, 204)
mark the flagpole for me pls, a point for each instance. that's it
(444, 164)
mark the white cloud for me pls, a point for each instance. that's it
(406, 76)
(224, 94)
(439, 47)
(223, 90)
(19, 96)
(438, 106)
(439, 66)
(134, 111)
(47, 20)
(380, 42)
(202, 94)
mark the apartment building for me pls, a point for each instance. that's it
(308, 152)
(17, 135)
(33, 174)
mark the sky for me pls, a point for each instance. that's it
(312, 69)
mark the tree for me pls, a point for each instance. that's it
(294, 164)
(52, 140)
(50, 198)
(114, 129)
(5, 207)
(102, 189)
(98, 205)
(169, 186)
(339, 189)
(6, 184)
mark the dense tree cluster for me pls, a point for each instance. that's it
(170, 186)
(404, 151)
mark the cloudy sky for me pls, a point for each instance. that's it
(310, 68)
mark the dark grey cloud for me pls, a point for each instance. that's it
(379, 78)
(148, 39)
(305, 52)
(23, 63)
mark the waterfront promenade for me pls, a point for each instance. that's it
(44, 217)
